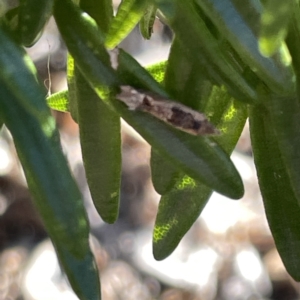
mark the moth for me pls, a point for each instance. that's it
(173, 113)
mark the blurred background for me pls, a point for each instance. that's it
(228, 254)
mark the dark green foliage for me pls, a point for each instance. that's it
(215, 65)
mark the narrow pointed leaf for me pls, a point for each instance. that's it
(281, 205)
(100, 131)
(54, 191)
(178, 209)
(181, 206)
(101, 149)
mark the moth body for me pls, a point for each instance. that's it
(175, 114)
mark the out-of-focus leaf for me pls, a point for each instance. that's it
(226, 17)
(293, 43)
(33, 16)
(81, 273)
(129, 14)
(100, 10)
(56, 196)
(9, 21)
(147, 21)
(14, 74)
(274, 25)
(281, 205)
(206, 52)
(55, 193)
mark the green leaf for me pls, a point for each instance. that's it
(85, 40)
(80, 271)
(281, 204)
(59, 101)
(154, 126)
(147, 21)
(99, 132)
(285, 117)
(20, 79)
(56, 196)
(72, 95)
(164, 174)
(181, 206)
(129, 14)
(197, 156)
(100, 10)
(178, 210)
(158, 70)
(293, 43)
(231, 24)
(33, 16)
(9, 22)
(101, 149)
(54, 191)
(274, 24)
(130, 72)
(206, 52)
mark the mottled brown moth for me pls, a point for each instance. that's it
(171, 112)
